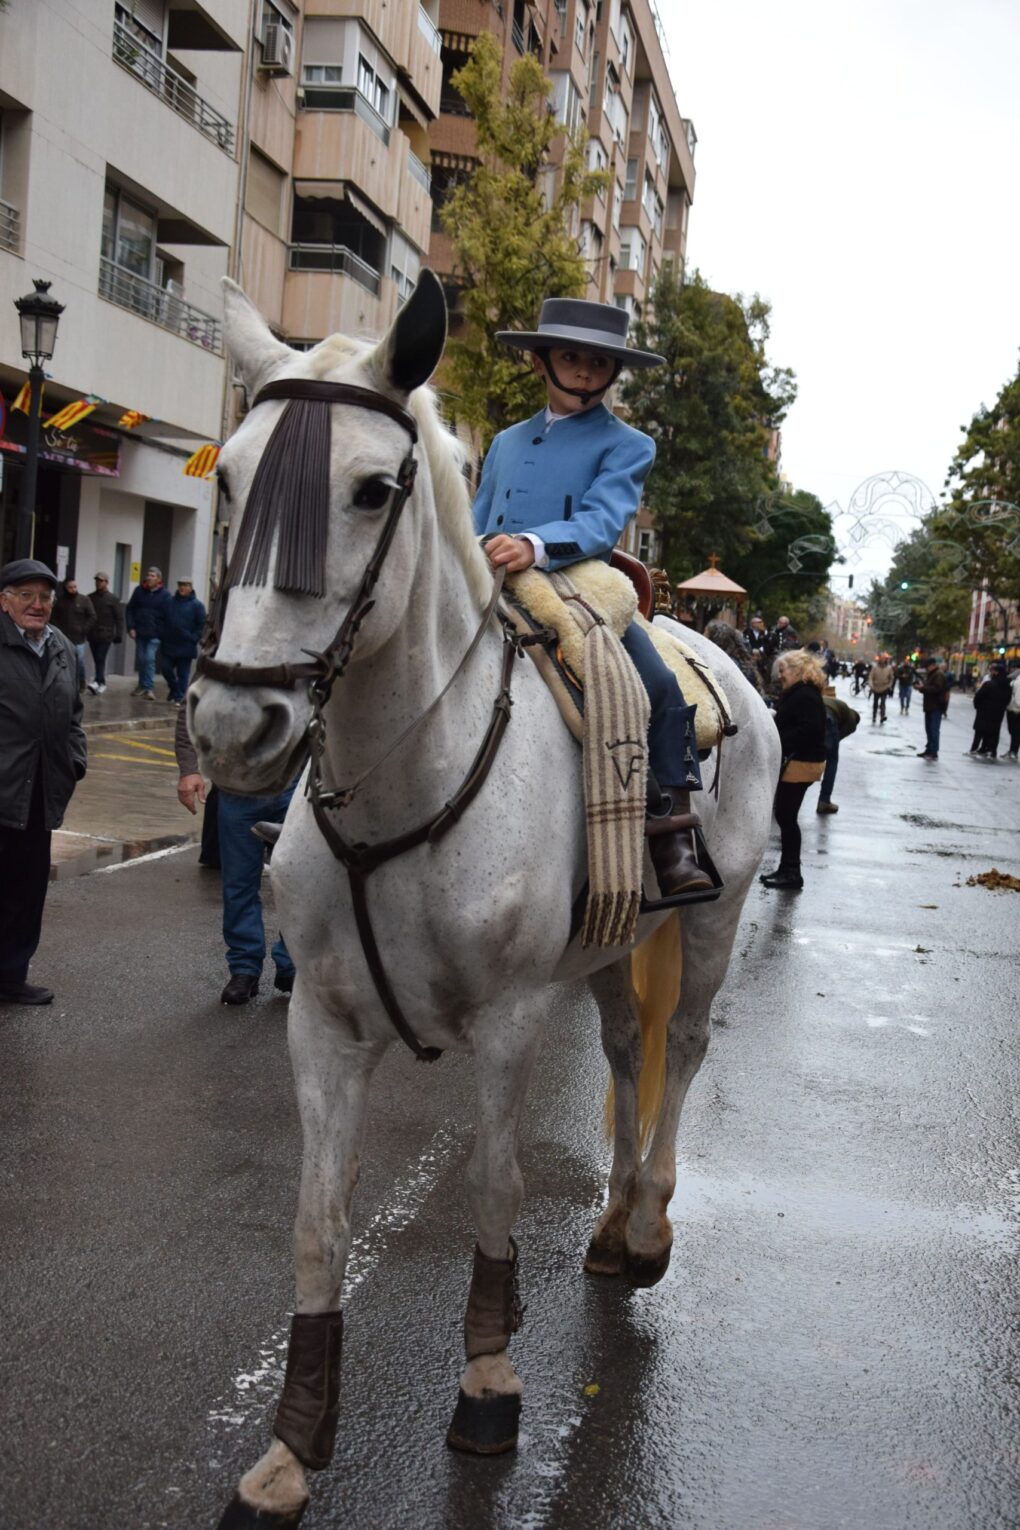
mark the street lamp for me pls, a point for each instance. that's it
(38, 314)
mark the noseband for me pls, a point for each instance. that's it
(323, 669)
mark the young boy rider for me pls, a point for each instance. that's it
(561, 487)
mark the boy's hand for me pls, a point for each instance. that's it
(512, 553)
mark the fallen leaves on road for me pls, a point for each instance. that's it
(592, 1389)
(996, 880)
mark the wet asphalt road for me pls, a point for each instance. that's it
(835, 1343)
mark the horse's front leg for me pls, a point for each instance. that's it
(489, 1405)
(621, 1042)
(332, 1076)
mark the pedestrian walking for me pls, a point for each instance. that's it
(74, 615)
(840, 721)
(242, 857)
(143, 619)
(181, 621)
(800, 718)
(991, 699)
(880, 683)
(107, 630)
(43, 756)
(1013, 713)
(860, 674)
(935, 698)
(906, 674)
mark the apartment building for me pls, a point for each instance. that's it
(118, 185)
(607, 65)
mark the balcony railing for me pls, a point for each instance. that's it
(452, 104)
(419, 172)
(517, 33)
(429, 30)
(159, 305)
(333, 258)
(343, 98)
(10, 228)
(171, 88)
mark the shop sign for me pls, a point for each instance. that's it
(87, 447)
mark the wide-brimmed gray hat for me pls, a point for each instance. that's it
(591, 326)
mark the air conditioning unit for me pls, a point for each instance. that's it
(277, 49)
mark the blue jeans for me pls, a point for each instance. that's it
(79, 649)
(672, 751)
(241, 859)
(145, 659)
(176, 673)
(932, 729)
(906, 691)
(831, 757)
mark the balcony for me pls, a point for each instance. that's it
(416, 169)
(10, 228)
(171, 88)
(429, 31)
(334, 258)
(159, 305)
(343, 98)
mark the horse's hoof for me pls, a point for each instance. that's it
(485, 1426)
(603, 1261)
(647, 1272)
(239, 1515)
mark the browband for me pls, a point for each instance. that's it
(337, 393)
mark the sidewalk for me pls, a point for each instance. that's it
(127, 804)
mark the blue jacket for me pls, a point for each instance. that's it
(180, 626)
(576, 484)
(143, 610)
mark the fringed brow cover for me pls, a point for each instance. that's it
(289, 495)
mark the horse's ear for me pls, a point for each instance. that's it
(249, 339)
(410, 352)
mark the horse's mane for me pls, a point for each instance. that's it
(445, 454)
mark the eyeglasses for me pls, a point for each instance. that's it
(31, 597)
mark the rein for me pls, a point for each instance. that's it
(324, 669)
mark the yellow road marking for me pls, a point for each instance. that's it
(137, 744)
(132, 759)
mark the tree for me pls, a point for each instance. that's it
(509, 226)
(711, 410)
(787, 566)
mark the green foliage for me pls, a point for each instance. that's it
(710, 410)
(509, 224)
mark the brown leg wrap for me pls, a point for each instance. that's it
(307, 1415)
(494, 1311)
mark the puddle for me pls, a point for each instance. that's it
(100, 854)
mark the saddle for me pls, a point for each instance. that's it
(620, 593)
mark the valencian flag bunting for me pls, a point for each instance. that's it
(23, 399)
(201, 463)
(71, 414)
(132, 417)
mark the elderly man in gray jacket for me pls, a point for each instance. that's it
(43, 755)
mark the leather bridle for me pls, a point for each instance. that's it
(324, 669)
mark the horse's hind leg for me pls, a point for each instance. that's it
(621, 1042)
(332, 1076)
(488, 1408)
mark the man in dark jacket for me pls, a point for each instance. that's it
(180, 626)
(74, 615)
(935, 699)
(143, 618)
(43, 755)
(109, 629)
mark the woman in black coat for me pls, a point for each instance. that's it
(990, 702)
(800, 718)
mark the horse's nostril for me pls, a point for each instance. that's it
(271, 733)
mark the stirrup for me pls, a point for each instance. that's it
(701, 894)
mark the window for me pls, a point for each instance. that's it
(373, 88)
(274, 16)
(405, 264)
(626, 44)
(321, 74)
(129, 234)
(613, 106)
(264, 192)
(657, 215)
(646, 545)
(632, 250)
(617, 203)
(630, 188)
(597, 160)
(566, 103)
(648, 195)
(581, 26)
(144, 21)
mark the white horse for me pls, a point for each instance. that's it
(472, 929)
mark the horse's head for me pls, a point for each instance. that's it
(313, 482)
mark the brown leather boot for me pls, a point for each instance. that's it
(672, 847)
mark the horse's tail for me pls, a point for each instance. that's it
(656, 966)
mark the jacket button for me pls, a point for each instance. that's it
(538, 440)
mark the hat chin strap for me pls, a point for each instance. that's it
(584, 394)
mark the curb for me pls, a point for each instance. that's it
(101, 854)
(130, 724)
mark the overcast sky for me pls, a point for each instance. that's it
(857, 164)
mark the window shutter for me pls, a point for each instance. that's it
(151, 14)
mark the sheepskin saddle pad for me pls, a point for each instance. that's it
(534, 604)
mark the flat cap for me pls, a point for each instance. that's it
(21, 570)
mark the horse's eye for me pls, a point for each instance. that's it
(373, 494)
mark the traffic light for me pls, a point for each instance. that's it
(904, 584)
(849, 581)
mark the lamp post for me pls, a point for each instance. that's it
(38, 314)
